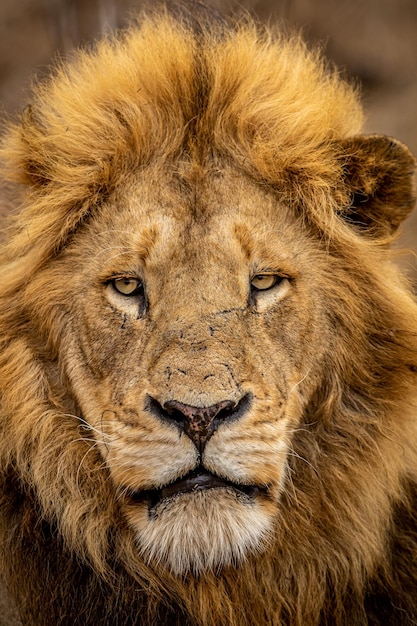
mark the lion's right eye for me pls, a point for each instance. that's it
(127, 286)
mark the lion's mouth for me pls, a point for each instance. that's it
(197, 480)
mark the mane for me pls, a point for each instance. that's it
(264, 102)
(275, 110)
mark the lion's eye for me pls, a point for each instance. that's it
(127, 286)
(262, 282)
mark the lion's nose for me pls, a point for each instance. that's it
(200, 423)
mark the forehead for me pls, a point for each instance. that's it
(206, 213)
(196, 197)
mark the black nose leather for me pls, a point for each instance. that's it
(200, 423)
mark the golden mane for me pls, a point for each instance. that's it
(267, 104)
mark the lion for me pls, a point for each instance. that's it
(208, 355)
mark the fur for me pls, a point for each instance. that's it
(194, 159)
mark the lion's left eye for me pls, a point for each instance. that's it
(127, 286)
(262, 282)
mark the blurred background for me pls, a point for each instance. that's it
(374, 41)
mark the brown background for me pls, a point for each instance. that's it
(373, 40)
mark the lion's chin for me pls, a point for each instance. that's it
(203, 529)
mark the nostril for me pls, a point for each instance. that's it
(154, 407)
(235, 410)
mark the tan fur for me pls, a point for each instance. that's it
(195, 161)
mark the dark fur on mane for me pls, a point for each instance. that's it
(388, 599)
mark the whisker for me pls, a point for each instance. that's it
(89, 426)
(294, 387)
(77, 478)
(123, 251)
(290, 480)
(295, 454)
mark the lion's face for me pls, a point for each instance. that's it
(194, 336)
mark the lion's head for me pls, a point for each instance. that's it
(192, 346)
(203, 334)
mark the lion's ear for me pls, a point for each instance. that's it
(379, 173)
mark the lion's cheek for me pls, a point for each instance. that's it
(202, 531)
(258, 459)
(137, 465)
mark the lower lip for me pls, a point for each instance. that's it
(192, 483)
